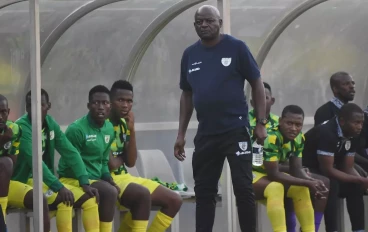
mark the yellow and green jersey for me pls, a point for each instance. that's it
(276, 148)
(12, 147)
(122, 136)
(273, 120)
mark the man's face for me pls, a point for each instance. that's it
(4, 113)
(345, 88)
(353, 126)
(291, 125)
(99, 107)
(45, 106)
(269, 101)
(122, 102)
(207, 24)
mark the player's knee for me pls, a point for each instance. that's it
(108, 192)
(173, 200)
(298, 192)
(6, 166)
(274, 190)
(90, 203)
(140, 193)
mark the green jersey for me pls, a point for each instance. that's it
(118, 146)
(12, 147)
(93, 143)
(52, 139)
(273, 120)
(276, 148)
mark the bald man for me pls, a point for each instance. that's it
(213, 72)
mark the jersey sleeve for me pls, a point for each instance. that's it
(25, 148)
(184, 84)
(247, 65)
(299, 146)
(15, 143)
(71, 156)
(271, 148)
(75, 136)
(326, 145)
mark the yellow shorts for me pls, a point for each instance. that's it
(123, 180)
(17, 193)
(257, 176)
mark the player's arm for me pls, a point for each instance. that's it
(130, 149)
(186, 101)
(272, 148)
(26, 148)
(70, 154)
(326, 151)
(322, 115)
(115, 162)
(15, 142)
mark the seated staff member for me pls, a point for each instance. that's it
(329, 150)
(60, 196)
(284, 143)
(124, 152)
(92, 135)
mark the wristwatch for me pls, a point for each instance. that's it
(262, 121)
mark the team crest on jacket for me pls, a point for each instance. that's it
(347, 145)
(107, 138)
(52, 135)
(243, 145)
(226, 61)
(7, 145)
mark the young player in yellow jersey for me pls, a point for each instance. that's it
(124, 153)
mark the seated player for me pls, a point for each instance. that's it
(60, 197)
(273, 120)
(329, 150)
(92, 135)
(9, 148)
(124, 153)
(283, 143)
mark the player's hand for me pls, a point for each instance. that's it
(6, 137)
(318, 188)
(92, 192)
(365, 182)
(129, 118)
(260, 133)
(179, 152)
(66, 196)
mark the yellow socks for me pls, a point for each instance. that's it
(303, 207)
(160, 223)
(64, 216)
(129, 225)
(91, 221)
(274, 194)
(139, 226)
(4, 205)
(126, 222)
(105, 226)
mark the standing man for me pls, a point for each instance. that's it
(329, 150)
(213, 71)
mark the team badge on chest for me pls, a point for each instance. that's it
(226, 61)
(7, 145)
(107, 138)
(243, 145)
(347, 145)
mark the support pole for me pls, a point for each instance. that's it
(34, 31)
(228, 201)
